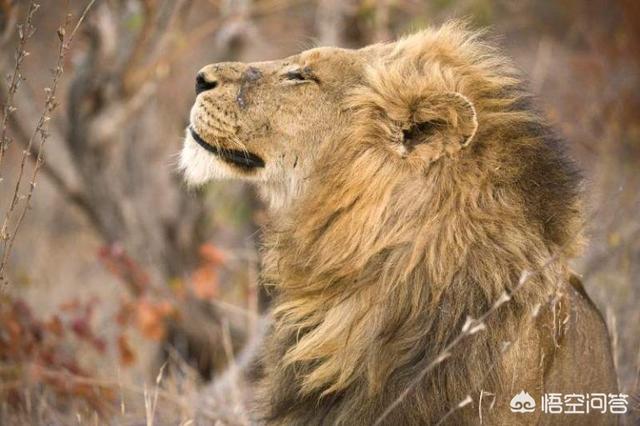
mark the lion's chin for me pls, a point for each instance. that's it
(201, 162)
(199, 166)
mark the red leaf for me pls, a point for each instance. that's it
(204, 282)
(211, 254)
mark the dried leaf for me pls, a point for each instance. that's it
(150, 320)
(204, 283)
(211, 254)
(127, 356)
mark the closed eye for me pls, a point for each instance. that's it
(301, 75)
(295, 75)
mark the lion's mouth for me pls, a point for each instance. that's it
(239, 158)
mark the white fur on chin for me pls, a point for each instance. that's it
(200, 166)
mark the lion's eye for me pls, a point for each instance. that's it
(295, 75)
(301, 75)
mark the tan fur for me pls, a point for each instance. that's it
(411, 185)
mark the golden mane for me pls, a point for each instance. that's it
(380, 264)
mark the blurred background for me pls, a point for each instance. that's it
(123, 292)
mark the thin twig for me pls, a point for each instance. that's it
(468, 400)
(25, 31)
(69, 191)
(534, 313)
(40, 131)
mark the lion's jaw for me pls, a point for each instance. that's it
(211, 130)
(198, 165)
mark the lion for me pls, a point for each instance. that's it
(422, 216)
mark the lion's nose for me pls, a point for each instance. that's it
(205, 82)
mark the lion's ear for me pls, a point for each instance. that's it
(440, 123)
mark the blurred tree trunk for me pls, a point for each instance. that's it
(116, 136)
(148, 213)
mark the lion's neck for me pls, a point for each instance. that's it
(278, 195)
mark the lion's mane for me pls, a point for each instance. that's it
(380, 263)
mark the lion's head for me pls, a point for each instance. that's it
(273, 122)
(267, 121)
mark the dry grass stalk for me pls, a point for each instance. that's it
(151, 401)
(468, 400)
(470, 327)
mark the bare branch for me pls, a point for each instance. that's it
(25, 31)
(54, 175)
(40, 132)
(132, 77)
(79, 22)
(142, 40)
